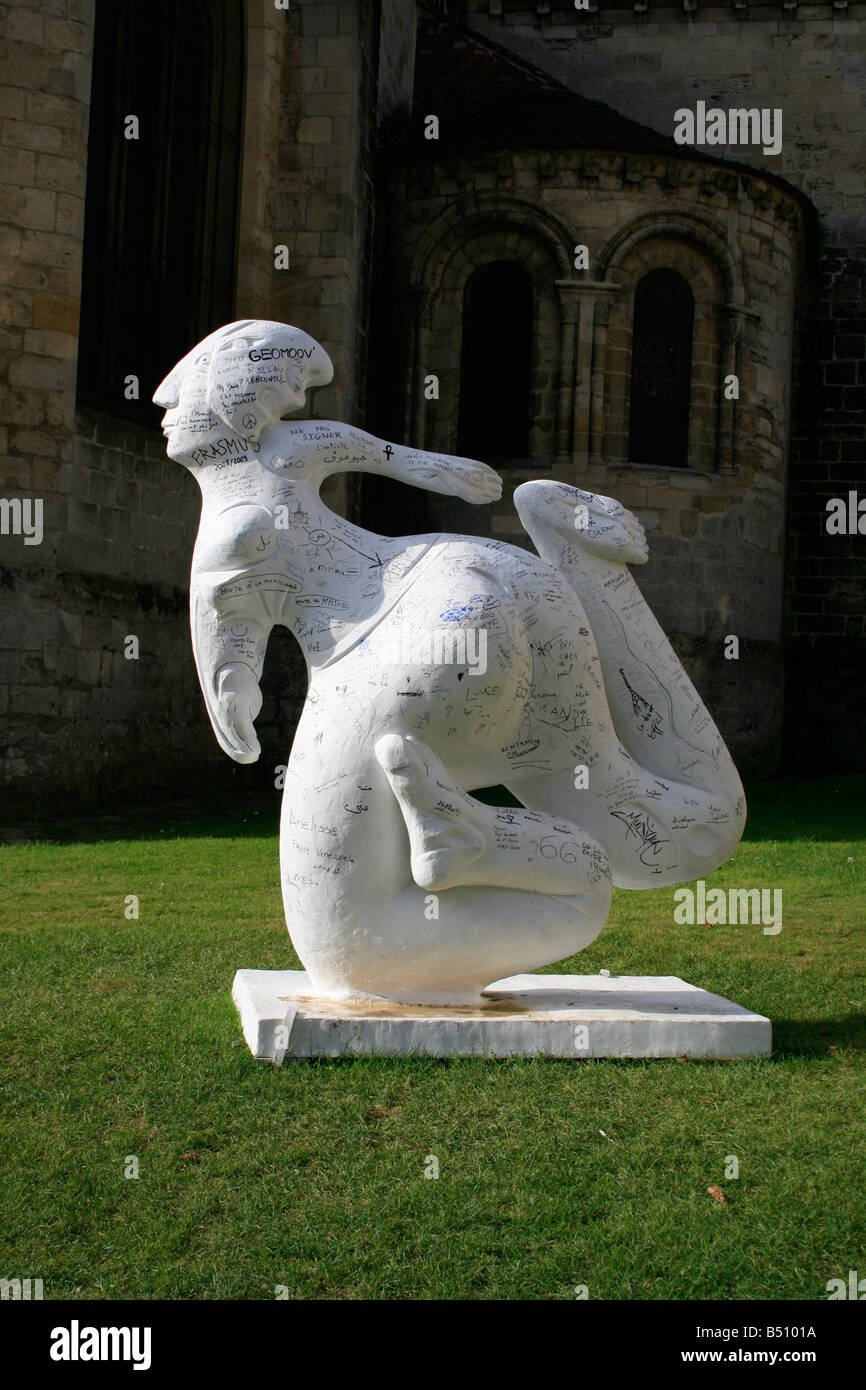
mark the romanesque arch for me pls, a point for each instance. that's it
(470, 234)
(695, 249)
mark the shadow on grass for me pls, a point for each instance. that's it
(832, 808)
(818, 1037)
(222, 815)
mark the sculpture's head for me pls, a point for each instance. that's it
(237, 381)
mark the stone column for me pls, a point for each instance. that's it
(584, 303)
(730, 325)
(569, 373)
(730, 333)
(598, 295)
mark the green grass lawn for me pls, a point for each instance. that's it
(118, 1037)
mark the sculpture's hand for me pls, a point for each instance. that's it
(238, 701)
(473, 481)
(229, 640)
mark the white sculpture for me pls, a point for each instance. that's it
(437, 665)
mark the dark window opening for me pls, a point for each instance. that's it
(496, 366)
(661, 370)
(161, 212)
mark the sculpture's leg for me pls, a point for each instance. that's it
(457, 841)
(361, 923)
(658, 715)
(654, 833)
(662, 794)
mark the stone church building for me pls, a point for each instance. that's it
(482, 212)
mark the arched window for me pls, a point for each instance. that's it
(661, 370)
(496, 365)
(161, 211)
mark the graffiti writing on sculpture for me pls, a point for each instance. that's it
(398, 730)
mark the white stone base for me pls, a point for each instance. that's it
(523, 1016)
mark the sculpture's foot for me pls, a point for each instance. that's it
(596, 525)
(459, 842)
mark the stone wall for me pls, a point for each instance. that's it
(79, 722)
(716, 529)
(809, 61)
(44, 102)
(825, 623)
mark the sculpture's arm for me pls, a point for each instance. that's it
(235, 600)
(229, 657)
(348, 449)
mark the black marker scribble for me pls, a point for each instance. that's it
(649, 721)
(641, 826)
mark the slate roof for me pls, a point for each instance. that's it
(487, 98)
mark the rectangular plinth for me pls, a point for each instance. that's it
(522, 1016)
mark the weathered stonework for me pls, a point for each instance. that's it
(717, 527)
(808, 61)
(79, 720)
(375, 274)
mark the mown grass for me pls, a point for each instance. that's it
(118, 1037)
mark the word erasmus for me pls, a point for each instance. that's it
(75, 1343)
(735, 127)
(218, 449)
(740, 905)
(453, 646)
